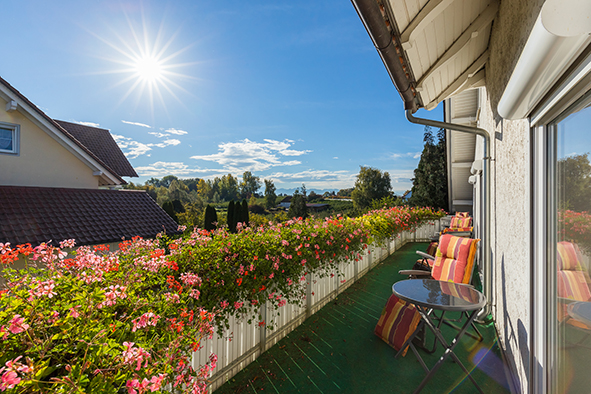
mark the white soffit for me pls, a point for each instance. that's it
(445, 42)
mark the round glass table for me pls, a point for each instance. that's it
(428, 295)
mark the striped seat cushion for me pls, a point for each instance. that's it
(454, 259)
(461, 222)
(572, 285)
(397, 322)
(568, 256)
(452, 229)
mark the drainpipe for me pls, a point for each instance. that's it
(487, 269)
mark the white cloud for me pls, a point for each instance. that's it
(317, 178)
(131, 148)
(165, 143)
(176, 131)
(91, 124)
(137, 124)
(336, 158)
(414, 155)
(253, 156)
(158, 135)
(163, 168)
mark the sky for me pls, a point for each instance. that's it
(293, 91)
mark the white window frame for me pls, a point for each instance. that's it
(15, 128)
(544, 225)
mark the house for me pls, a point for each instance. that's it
(58, 181)
(514, 80)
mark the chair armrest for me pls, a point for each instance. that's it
(414, 272)
(425, 255)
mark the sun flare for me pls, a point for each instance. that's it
(149, 62)
(149, 69)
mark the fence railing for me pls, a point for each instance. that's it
(242, 343)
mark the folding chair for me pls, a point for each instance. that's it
(454, 261)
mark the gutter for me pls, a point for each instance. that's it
(487, 269)
(371, 15)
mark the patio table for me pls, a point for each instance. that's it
(428, 295)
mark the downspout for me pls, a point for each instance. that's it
(487, 269)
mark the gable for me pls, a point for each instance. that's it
(17, 108)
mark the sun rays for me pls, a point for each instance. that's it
(149, 61)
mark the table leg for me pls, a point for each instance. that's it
(448, 348)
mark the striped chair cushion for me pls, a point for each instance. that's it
(397, 322)
(454, 259)
(462, 214)
(460, 222)
(572, 284)
(451, 229)
(568, 256)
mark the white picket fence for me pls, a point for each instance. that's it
(248, 341)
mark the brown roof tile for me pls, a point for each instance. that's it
(91, 216)
(102, 144)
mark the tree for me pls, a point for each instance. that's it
(167, 180)
(169, 209)
(270, 196)
(297, 206)
(371, 184)
(211, 218)
(231, 217)
(228, 188)
(249, 185)
(177, 190)
(574, 175)
(244, 217)
(430, 181)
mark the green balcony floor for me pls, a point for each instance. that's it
(336, 350)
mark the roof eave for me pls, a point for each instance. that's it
(372, 17)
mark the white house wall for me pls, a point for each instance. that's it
(41, 160)
(510, 198)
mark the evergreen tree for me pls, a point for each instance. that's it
(245, 215)
(237, 214)
(231, 218)
(430, 181)
(169, 209)
(211, 217)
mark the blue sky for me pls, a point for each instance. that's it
(291, 91)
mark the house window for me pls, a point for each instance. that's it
(569, 252)
(9, 138)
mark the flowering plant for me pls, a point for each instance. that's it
(101, 321)
(98, 322)
(576, 226)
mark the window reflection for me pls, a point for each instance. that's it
(573, 251)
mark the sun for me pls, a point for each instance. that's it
(149, 69)
(149, 61)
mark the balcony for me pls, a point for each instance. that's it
(335, 349)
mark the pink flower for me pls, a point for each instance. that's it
(17, 324)
(9, 380)
(195, 294)
(135, 355)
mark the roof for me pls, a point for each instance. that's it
(432, 49)
(46, 121)
(102, 144)
(91, 216)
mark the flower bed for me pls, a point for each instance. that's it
(576, 227)
(102, 321)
